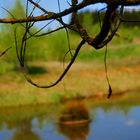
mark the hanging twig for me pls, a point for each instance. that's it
(63, 74)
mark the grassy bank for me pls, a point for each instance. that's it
(87, 77)
(84, 80)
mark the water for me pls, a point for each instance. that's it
(116, 120)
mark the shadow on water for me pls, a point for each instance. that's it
(117, 119)
(78, 132)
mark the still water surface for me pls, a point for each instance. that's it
(110, 121)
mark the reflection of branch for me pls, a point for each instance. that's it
(63, 74)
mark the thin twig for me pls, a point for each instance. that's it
(47, 33)
(5, 51)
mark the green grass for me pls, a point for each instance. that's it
(120, 47)
(16, 91)
(114, 52)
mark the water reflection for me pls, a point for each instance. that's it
(74, 121)
(113, 119)
(78, 132)
(18, 123)
(24, 131)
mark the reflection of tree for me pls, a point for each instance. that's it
(24, 131)
(75, 132)
(122, 106)
(74, 121)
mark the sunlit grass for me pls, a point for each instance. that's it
(84, 80)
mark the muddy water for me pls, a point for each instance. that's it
(116, 119)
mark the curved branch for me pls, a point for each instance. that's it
(105, 27)
(62, 75)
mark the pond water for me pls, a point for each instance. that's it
(115, 119)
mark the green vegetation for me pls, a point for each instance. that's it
(129, 15)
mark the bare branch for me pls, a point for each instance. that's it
(52, 15)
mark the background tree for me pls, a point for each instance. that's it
(34, 51)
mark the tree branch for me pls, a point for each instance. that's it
(84, 3)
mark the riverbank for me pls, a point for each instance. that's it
(84, 80)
